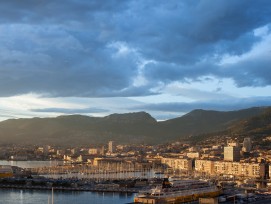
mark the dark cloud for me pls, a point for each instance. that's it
(60, 65)
(55, 12)
(174, 72)
(187, 32)
(94, 48)
(251, 72)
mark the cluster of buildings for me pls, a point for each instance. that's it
(236, 161)
(232, 159)
(47, 152)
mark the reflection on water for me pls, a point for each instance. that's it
(13, 196)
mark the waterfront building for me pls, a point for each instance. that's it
(243, 169)
(204, 166)
(222, 168)
(178, 163)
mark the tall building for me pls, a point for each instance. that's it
(232, 153)
(111, 147)
(247, 145)
(102, 150)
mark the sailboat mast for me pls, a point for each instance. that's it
(52, 195)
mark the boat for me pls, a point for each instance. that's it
(179, 192)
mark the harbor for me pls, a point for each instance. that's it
(72, 178)
(130, 186)
(32, 196)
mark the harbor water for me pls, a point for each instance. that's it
(15, 196)
(26, 196)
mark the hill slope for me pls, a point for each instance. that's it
(123, 128)
(206, 121)
(257, 128)
(78, 129)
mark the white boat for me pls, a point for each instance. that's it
(178, 192)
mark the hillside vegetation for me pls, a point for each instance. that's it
(138, 127)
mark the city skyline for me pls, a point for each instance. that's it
(101, 57)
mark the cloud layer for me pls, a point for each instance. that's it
(132, 48)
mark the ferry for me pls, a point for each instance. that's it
(178, 192)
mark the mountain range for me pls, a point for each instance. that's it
(139, 127)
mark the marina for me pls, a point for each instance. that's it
(145, 185)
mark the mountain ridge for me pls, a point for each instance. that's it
(135, 127)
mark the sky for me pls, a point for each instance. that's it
(167, 58)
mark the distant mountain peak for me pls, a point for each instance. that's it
(131, 117)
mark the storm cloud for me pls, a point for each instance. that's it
(195, 52)
(95, 48)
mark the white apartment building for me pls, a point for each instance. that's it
(178, 163)
(251, 170)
